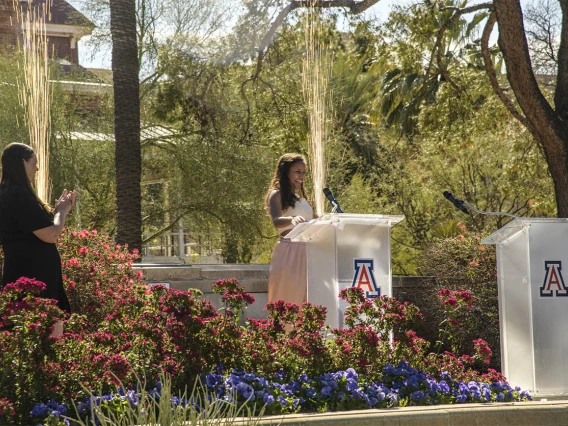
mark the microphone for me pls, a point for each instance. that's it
(456, 202)
(332, 200)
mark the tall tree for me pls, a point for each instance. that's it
(547, 121)
(125, 68)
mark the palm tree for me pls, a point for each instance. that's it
(125, 68)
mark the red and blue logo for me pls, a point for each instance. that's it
(553, 284)
(364, 278)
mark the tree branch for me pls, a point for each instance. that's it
(491, 71)
(356, 7)
(514, 47)
(267, 39)
(164, 229)
(458, 12)
(561, 95)
(469, 9)
(253, 77)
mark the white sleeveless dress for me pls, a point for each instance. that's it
(288, 277)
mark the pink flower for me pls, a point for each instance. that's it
(73, 263)
(450, 301)
(26, 285)
(483, 350)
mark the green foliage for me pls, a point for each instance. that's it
(228, 134)
(441, 136)
(13, 127)
(399, 135)
(194, 408)
(82, 152)
(461, 263)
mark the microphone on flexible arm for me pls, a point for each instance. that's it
(456, 202)
(332, 200)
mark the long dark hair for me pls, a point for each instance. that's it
(14, 171)
(281, 181)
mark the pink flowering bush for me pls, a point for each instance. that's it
(464, 300)
(95, 270)
(458, 308)
(122, 330)
(365, 344)
(7, 411)
(290, 339)
(26, 321)
(148, 331)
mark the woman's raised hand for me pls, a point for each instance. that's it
(64, 203)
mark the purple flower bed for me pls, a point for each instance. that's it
(339, 391)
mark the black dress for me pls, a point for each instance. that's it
(25, 255)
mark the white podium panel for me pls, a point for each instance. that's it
(533, 303)
(346, 250)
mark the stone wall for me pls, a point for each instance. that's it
(254, 278)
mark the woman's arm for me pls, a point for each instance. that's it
(51, 233)
(275, 205)
(63, 205)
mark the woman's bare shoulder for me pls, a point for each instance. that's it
(275, 193)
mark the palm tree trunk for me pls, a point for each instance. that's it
(125, 69)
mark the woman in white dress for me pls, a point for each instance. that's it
(288, 206)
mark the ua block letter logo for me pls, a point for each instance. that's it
(553, 284)
(364, 278)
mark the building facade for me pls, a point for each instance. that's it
(65, 26)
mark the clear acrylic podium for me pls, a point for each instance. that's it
(533, 303)
(346, 250)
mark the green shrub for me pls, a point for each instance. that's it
(462, 264)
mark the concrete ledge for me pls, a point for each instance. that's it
(206, 285)
(165, 273)
(204, 276)
(538, 413)
(541, 413)
(253, 278)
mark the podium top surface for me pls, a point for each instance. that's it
(301, 231)
(515, 226)
(372, 219)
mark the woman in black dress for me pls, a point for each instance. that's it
(29, 228)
